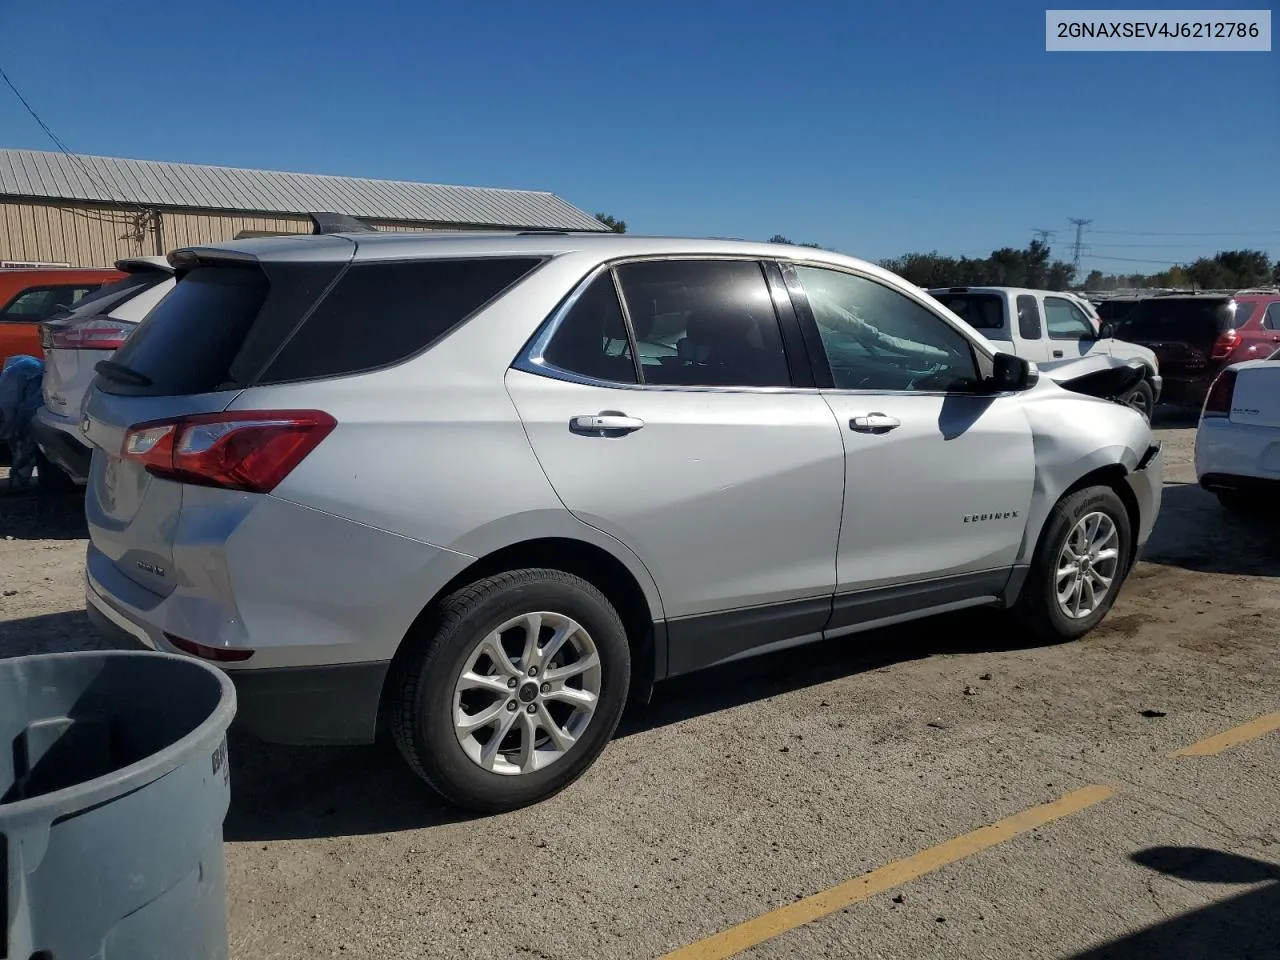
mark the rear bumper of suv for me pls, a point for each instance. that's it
(60, 440)
(330, 704)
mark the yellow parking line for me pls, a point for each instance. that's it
(1230, 738)
(766, 926)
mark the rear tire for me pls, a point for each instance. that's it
(1063, 599)
(1142, 398)
(51, 477)
(436, 726)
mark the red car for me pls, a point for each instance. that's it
(1195, 335)
(29, 295)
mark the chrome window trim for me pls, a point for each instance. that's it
(532, 359)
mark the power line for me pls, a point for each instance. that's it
(1169, 263)
(1178, 233)
(67, 152)
(1148, 246)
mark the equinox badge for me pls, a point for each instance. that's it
(983, 517)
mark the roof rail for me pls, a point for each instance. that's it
(339, 223)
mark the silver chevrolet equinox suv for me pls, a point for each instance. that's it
(477, 489)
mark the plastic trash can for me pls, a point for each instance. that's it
(113, 788)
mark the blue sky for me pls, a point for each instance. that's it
(871, 129)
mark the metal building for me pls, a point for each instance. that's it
(89, 211)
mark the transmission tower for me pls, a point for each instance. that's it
(1045, 236)
(1079, 244)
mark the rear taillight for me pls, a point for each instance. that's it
(250, 450)
(217, 654)
(100, 334)
(1218, 402)
(1223, 346)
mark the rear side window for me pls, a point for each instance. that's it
(1028, 317)
(704, 323)
(592, 338)
(982, 311)
(383, 313)
(1244, 313)
(1273, 316)
(187, 343)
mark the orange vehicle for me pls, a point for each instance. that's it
(29, 295)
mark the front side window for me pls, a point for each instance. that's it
(38, 303)
(704, 323)
(877, 339)
(1066, 321)
(592, 338)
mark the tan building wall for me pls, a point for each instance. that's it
(89, 236)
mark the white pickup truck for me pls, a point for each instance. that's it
(1049, 328)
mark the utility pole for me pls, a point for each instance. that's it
(1045, 236)
(1079, 244)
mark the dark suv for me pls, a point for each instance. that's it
(1194, 336)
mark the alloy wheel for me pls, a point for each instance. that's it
(1087, 565)
(527, 692)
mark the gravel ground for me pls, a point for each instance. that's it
(745, 788)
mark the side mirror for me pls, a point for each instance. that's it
(1012, 373)
(1107, 330)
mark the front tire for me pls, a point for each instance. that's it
(1079, 566)
(512, 689)
(1142, 398)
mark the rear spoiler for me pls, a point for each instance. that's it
(143, 264)
(321, 224)
(339, 223)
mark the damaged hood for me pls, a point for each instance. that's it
(1096, 376)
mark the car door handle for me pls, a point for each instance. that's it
(874, 423)
(602, 423)
(1057, 354)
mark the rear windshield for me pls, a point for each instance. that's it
(1169, 318)
(1114, 311)
(982, 311)
(109, 296)
(187, 343)
(226, 327)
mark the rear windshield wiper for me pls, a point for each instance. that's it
(122, 374)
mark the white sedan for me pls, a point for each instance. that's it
(1238, 441)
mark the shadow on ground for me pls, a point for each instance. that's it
(1196, 532)
(49, 633)
(285, 793)
(1168, 417)
(1243, 927)
(31, 515)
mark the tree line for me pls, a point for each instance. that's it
(1034, 266)
(1227, 270)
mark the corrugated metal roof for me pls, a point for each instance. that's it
(150, 183)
